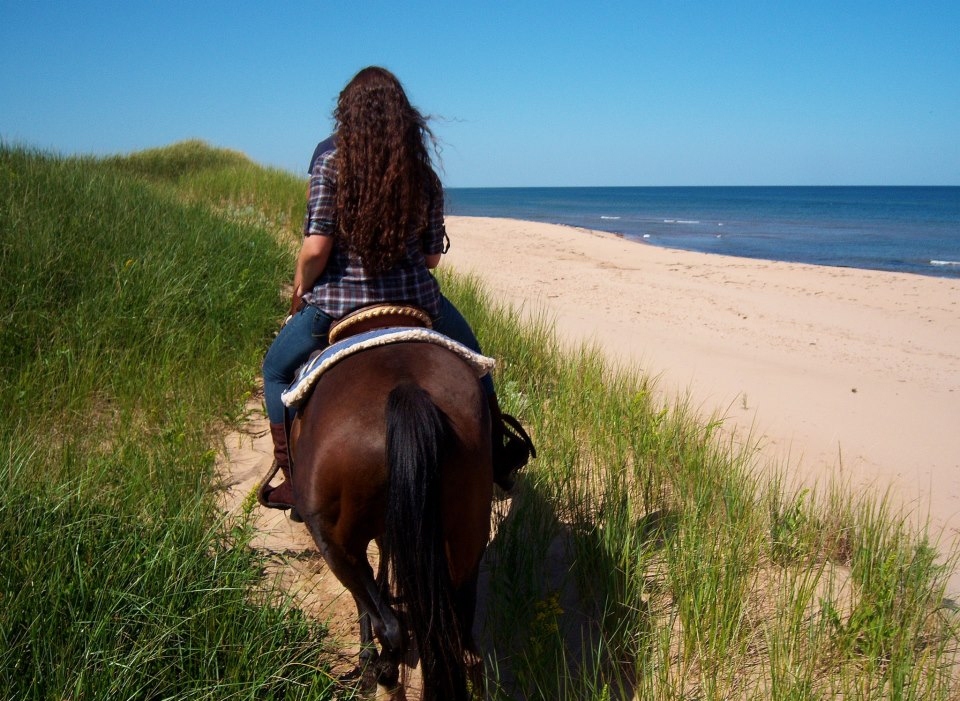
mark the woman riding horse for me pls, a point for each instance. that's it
(374, 229)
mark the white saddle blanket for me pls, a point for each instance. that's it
(308, 375)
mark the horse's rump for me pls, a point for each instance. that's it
(339, 442)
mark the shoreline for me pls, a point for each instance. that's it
(839, 372)
(895, 229)
(645, 241)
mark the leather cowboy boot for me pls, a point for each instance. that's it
(512, 447)
(281, 496)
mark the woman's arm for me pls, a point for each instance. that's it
(432, 259)
(313, 257)
(318, 228)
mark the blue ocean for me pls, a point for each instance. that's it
(902, 229)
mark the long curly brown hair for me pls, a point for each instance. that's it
(385, 179)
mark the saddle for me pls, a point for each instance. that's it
(378, 316)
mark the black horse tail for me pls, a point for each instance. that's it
(418, 434)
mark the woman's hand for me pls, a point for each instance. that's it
(296, 300)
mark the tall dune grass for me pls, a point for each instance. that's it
(225, 181)
(131, 326)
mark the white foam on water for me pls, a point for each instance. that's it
(945, 262)
(606, 217)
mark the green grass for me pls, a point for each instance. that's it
(645, 555)
(132, 322)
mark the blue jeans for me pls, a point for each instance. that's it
(450, 322)
(307, 332)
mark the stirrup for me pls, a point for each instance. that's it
(264, 490)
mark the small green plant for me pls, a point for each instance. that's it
(788, 528)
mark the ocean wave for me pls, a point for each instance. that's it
(945, 262)
(681, 221)
(606, 217)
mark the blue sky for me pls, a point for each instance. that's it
(549, 93)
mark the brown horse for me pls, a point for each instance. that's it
(394, 446)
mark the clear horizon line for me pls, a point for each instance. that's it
(612, 187)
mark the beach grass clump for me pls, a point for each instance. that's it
(173, 162)
(132, 323)
(226, 181)
(647, 554)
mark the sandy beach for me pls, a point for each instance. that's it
(838, 372)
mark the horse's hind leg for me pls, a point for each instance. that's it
(368, 650)
(465, 601)
(355, 573)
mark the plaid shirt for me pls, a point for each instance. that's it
(344, 286)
